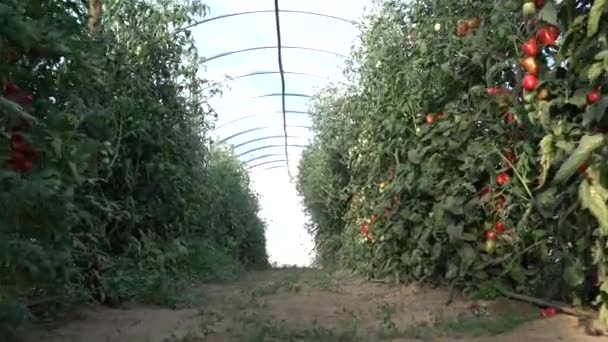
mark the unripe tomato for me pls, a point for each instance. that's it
(529, 9)
(474, 22)
(490, 246)
(530, 82)
(543, 94)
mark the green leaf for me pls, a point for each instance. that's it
(549, 13)
(599, 6)
(455, 232)
(546, 150)
(413, 156)
(595, 71)
(467, 257)
(593, 196)
(587, 145)
(574, 274)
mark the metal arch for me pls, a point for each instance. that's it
(264, 138)
(199, 22)
(224, 54)
(258, 73)
(266, 163)
(266, 147)
(262, 96)
(254, 115)
(257, 129)
(275, 167)
(264, 156)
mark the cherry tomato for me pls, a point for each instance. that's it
(583, 167)
(463, 28)
(500, 203)
(548, 35)
(530, 82)
(529, 63)
(543, 94)
(439, 115)
(548, 312)
(485, 190)
(490, 246)
(530, 47)
(529, 9)
(374, 218)
(594, 96)
(430, 119)
(364, 228)
(511, 158)
(490, 235)
(494, 91)
(539, 3)
(510, 118)
(502, 178)
(500, 227)
(20, 146)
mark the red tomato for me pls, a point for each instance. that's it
(490, 235)
(530, 82)
(502, 178)
(439, 115)
(530, 47)
(374, 218)
(583, 167)
(17, 136)
(548, 312)
(594, 96)
(548, 35)
(494, 91)
(510, 118)
(20, 146)
(10, 88)
(539, 3)
(485, 190)
(500, 203)
(511, 158)
(430, 119)
(500, 227)
(463, 28)
(26, 100)
(18, 157)
(364, 228)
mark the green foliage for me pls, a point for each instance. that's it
(402, 176)
(109, 188)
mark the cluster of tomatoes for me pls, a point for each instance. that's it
(365, 231)
(502, 179)
(432, 117)
(22, 154)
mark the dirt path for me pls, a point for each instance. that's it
(310, 305)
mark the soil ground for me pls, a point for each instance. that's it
(313, 305)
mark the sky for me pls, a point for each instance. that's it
(238, 110)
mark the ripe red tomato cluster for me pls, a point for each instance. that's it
(22, 154)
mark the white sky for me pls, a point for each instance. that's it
(287, 239)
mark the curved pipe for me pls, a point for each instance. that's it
(268, 162)
(264, 156)
(281, 94)
(233, 101)
(258, 73)
(257, 129)
(275, 167)
(224, 54)
(268, 146)
(254, 115)
(264, 138)
(352, 22)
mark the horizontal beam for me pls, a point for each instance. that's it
(264, 156)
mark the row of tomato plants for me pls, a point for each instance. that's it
(482, 117)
